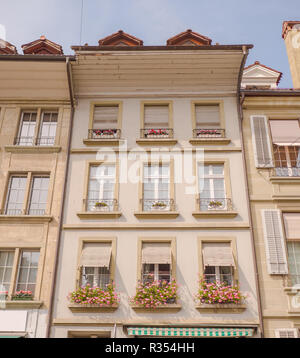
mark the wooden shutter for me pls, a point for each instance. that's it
(105, 117)
(274, 242)
(156, 116)
(207, 116)
(261, 142)
(287, 333)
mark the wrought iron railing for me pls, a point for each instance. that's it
(15, 212)
(285, 172)
(209, 133)
(102, 205)
(158, 204)
(212, 204)
(31, 141)
(291, 280)
(26, 141)
(45, 141)
(38, 212)
(104, 133)
(156, 133)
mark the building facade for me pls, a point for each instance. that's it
(34, 128)
(156, 190)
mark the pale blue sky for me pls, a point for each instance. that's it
(154, 21)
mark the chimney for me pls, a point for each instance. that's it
(291, 36)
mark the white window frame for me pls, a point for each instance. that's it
(29, 268)
(42, 210)
(48, 124)
(8, 194)
(218, 275)
(5, 268)
(21, 127)
(96, 276)
(156, 271)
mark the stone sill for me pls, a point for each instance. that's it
(108, 142)
(26, 218)
(91, 308)
(285, 180)
(32, 149)
(160, 309)
(215, 307)
(156, 214)
(99, 215)
(209, 141)
(22, 304)
(159, 141)
(215, 214)
(291, 290)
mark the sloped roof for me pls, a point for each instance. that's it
(189, 37)
(288, 25)
(7, 48)
(120, 38)
(42, 46)
(258, 64)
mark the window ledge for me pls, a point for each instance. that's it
(285, 180)
(156, 214)
(32, 149)
(215, 214)
(99, 215)
(26, 218)
(22, 304)
(165, 308)
(215, 307)
(159, 141)
(91, 308)
(114, 141)
(292, 290)
(212, 141)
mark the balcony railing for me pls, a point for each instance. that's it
(102, 205)
(285, 172)
(208, 133)
(104, 134)
(15, 212)
(156, 133)
(38, 212)
(158, 204)
(214, 204)
(31, 141)
(292, 280)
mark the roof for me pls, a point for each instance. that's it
(190, 37)
(287, 26)
(42, 46)
(120, 38)
(7, 48)
(271, 92)
(257, 63)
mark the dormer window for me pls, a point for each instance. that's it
(189, 38)
(120, 38)
(260, 77)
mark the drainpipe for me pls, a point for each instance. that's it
(54, 277)
(240, 100)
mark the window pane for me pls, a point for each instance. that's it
(39, 194)
(27, 270)
(15, 195)
(294, 261)
(6, 263)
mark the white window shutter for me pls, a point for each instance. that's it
(287, 333)
(261, 142)
(274, 242)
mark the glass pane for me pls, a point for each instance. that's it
(23, 275)
(218, 169)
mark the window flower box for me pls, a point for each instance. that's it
(95, 297)
(215, 205)
(155, 294)
(101, 206)
(155, 133)
(22, 296)
(219, 294)
(159, 205)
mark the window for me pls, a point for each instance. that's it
(101, 189)
(218, 262)
(45, 121)
(156, 122)
(156, 189)
(156, 262)
(39, 194)
(48, 129)
(292, 233)
(6, 266)
(17, 195)
(95, 263)
(27, 271)
(212, 187)
(207, 121)
(105, 124)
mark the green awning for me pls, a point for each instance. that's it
(190, 332)
(10, 336)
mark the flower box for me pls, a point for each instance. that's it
(215, 205)
(22, 296)
(159, 206)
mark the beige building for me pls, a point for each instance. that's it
(272, 140)
(35, 110)
(179, 214)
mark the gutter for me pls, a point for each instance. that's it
(54, 277)
(43, 58)
(240, 99)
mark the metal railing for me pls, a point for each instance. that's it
(38, 212)
(15, 212)
(291, 280)
(31, 141)
(208, 133)
(285, 172)
(214, 204)
(45, 141)
(104, 133)
(158, 204)
(156, 133)
(101, 205)
(26, 141)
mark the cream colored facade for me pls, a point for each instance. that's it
(131, 79)
(36, 84)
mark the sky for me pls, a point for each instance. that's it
(257, 22)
